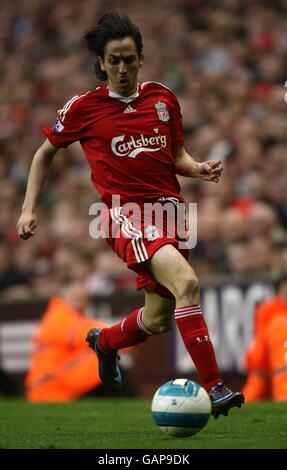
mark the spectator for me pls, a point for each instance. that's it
(10, 275)
(266, 359)
(62, 367)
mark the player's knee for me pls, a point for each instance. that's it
(188, 287)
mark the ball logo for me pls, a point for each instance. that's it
(132, 146)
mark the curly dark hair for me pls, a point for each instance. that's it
(110, 27)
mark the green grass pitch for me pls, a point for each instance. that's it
(127, 424)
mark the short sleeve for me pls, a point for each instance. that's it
(67, 128)
(177, 134)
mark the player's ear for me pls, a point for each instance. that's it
(102, 64)
(141, 60)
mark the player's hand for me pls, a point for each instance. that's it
(27, 225)
(210, 170)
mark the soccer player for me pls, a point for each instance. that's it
(132, 136)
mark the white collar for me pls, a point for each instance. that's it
(125, 99)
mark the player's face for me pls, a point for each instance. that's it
(122, 63)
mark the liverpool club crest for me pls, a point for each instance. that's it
(162, 111)
(151, 233)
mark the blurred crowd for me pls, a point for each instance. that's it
(226, 62)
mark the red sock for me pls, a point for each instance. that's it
(195, 335)
(129, 332)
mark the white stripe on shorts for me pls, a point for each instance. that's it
(131, 232)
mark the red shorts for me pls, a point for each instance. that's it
(136, 241)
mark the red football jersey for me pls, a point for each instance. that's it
(127, 142)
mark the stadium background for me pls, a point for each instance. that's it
(225, 61)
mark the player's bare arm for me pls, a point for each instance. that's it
(37, 177)
(185, 165)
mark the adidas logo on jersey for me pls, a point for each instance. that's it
(129, 109)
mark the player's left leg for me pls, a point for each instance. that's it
(158, 315)
(171, 270)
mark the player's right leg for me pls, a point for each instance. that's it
(158, 316)
(109, 370)
(158, 313)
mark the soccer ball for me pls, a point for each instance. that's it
(181, 408)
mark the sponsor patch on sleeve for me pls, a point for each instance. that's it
(58, 126)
